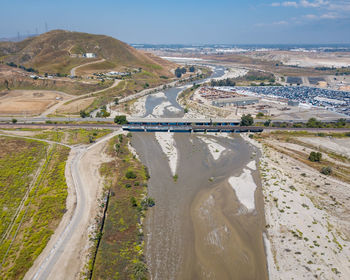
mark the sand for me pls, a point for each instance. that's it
(168, 145)
(215, 148)
(252, 165)
(232, 73)
(75, 106)
(337, 145)
(307, 216)
(244, 187)
(138, 108)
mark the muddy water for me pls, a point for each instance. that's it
(198, 229)
(170, 95)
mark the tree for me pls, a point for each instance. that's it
(14, 121)
(120, 119)
(315, 156)
(178, 72)
(116, 101)
(313, 123)
(192, 69)
(186, 110)
(341, 122)
(247, 120)
(267, 123)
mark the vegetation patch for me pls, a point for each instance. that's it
(120, 252)
(33, 205)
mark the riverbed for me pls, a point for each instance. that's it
(199, 229)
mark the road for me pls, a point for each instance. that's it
(63, 255)
(54, 108)
(72, 72)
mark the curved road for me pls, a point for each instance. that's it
(53, 108)
(72, 72)
(64, 240)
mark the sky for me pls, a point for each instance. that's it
(185, 21)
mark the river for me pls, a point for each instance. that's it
(199, 229)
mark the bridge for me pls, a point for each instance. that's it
(187, 125)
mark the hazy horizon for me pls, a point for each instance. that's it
(186, 22)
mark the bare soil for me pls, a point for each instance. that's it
(28, 102)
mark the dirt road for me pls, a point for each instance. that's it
(64, 256)
(72, 72)
(54, 108)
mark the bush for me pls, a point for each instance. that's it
(313, 123)
(267, 123)
(327, 170)
(14, 120)
(315, 156)
(260, 115)
(140, 270)
(120, 120)
(247, 120)
(147, 202)
(133, 201)
(130, 174)
(83, 114)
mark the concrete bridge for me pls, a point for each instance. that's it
(187, 125)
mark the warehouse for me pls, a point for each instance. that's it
(237, 101)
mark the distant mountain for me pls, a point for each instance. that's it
(17, 38)
(58, 51)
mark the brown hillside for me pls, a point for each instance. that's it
(51, 52)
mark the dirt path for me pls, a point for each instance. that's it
(72, 72)
(65, 254)
(54, 108)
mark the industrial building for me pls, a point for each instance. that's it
(293, 103)
(236, 101)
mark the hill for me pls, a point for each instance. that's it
(58, 51)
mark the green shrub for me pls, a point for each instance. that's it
(326, 170)
(120, 120)
(130, 174)
(315, 156)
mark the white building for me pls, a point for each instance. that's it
(89, 55)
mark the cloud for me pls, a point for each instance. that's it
(275, 4)
(330, 16)
(313, 4)
(322, 16)
(282, 22)
(290, 4)
(310, 16)
(302, 3)
(276, 23)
